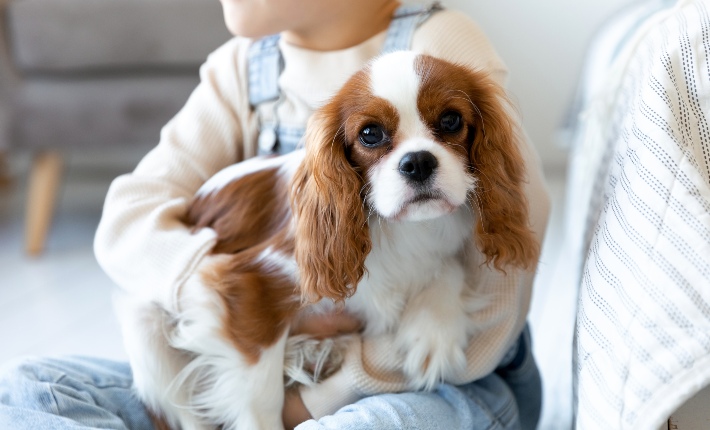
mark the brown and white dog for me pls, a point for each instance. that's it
(411, 179)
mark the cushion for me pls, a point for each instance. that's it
(96, 35)
(98, 112)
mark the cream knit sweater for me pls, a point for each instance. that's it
(144, 248)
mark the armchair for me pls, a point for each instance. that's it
(77, 74)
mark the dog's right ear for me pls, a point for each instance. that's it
(331, 235)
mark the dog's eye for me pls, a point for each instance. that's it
(450, 122)
(372, 135)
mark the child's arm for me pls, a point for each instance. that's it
(141, 242)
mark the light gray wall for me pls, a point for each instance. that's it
(543, 42)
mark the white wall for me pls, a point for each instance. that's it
(543, 42)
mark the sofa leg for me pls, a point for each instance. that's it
(42, 195)
(5, 176)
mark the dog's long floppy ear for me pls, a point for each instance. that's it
(503, 230)
(332, 237)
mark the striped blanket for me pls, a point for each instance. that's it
(639, 215)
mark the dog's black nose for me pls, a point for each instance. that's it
(418, 166)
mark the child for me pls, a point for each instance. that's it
(255, 96)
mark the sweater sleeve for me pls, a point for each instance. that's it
(370, 367)
(141, 242)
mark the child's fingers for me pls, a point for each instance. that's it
(326, 325)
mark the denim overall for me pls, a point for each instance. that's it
(266, 65)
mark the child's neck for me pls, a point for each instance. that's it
(354, 25)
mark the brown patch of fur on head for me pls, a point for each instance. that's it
(332, 236)
(503, 230)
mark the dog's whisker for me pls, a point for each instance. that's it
(475, 107)
(479, 205)
(481, 173)
(337, 133)
(455, 145)
(426, 75)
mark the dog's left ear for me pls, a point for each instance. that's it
(332, 237)
(503, 230)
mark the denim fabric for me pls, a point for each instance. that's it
(510, 398)
(69, 393)
(401, 30)
(522, 376)
(485, 404)
(73, 393)
(265, 66)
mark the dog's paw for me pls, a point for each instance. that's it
(309, 361)
(432, 356)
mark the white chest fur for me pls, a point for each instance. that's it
(407, 258)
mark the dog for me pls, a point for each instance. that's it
(410, 180)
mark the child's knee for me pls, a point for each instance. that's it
(34, 369)
(26, 383)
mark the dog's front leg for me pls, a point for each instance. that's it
(154, 362)
(225, 387)
(264, 385)
(433, 333)
(237, 395)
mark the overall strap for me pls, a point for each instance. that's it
(406, 20)
(265, 64)
(265, 67)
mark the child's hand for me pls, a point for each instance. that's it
(326, 325)
(320, 326)
(294, 412)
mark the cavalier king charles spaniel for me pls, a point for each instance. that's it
(411, 180)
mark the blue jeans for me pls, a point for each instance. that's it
(75, 393)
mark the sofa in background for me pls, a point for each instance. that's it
(77, 74)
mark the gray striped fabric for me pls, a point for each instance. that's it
(643, 322)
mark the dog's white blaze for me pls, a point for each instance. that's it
(394, 78)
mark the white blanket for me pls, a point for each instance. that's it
(640, 213)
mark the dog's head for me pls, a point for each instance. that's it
(408, 138)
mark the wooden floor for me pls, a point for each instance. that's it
(60, 303)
